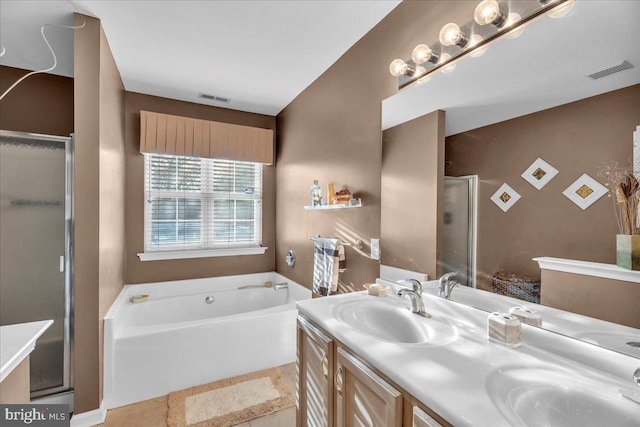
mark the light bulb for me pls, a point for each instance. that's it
(423, 53)
(563, 10)
(398, 67)
(451, 35)
(488, 12)
(445, 57)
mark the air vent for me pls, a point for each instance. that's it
(611, 70)
(213, 98)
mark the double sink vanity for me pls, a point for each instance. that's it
(370, 361)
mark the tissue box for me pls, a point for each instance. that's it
(527, 315)
(504, 329)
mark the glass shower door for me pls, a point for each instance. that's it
(459, 229)
(35, 226)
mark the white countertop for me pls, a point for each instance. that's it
(587, 268)
(595, 331)
(451, 378)
(17, 341)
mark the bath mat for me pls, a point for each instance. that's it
(226, 403)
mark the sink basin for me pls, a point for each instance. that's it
(537, 397)
(392, 322)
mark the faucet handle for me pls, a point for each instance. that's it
(415, 284)
(447, 276)
(636, 376)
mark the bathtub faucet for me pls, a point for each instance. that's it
(283, 285)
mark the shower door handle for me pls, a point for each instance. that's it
(61, 263)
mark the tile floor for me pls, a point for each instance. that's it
(153, 413)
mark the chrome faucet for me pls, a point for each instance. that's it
(283, 285)
(636, 376)
(415, 295)
(446, 285)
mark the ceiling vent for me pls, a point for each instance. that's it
(213, 98)
(611, 70)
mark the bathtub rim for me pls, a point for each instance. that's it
(128, 290)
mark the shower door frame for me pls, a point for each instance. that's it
(68, 329)
(472, 233)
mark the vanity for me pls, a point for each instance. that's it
(366, 360)
(16, 343)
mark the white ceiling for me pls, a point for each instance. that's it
(545, 67)
(20, 23)
(260, 54)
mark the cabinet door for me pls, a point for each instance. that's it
(315, 362)
(364, 399)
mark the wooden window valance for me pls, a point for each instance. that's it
(184, 136)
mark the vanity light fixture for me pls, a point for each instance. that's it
(490, 12)
(451, 34)
(491, 20)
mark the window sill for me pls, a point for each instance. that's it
(209, 253)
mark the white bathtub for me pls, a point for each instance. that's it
(175, 340)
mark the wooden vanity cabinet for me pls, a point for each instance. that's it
(337, 389)
(315, 369)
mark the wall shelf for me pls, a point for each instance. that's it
(330, 207)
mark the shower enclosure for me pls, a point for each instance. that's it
(36, 254)
(459, 229)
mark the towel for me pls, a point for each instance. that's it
(329, 260)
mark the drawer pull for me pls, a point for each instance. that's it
(324, 365)
(339, 380)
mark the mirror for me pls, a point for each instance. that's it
(450, 144)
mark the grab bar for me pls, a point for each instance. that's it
(283, 285)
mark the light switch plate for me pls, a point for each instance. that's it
(375, 249)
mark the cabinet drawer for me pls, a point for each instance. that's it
(422, 419)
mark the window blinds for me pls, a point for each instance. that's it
(198, 204)
(184, 136)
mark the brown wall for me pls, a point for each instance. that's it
(412, 191)
(112, 186)
(155, 271)
(99, 198)
(575, 138)
(42, 103)
(607, 299)
(331, 132)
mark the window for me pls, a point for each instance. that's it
(197, 204)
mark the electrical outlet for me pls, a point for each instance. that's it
(375, 249)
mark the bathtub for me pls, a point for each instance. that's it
(175, 340)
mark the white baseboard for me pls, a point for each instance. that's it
(90, 418)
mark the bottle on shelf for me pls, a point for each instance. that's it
(331, 194)
(316, 194)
